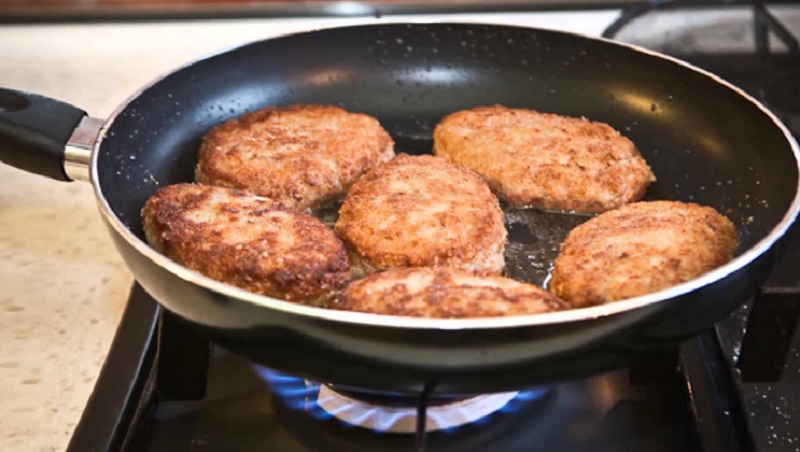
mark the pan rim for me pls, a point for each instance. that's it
(417, 323)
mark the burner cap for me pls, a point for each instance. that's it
(394, 419)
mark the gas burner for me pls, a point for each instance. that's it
(402, 417)
(390, 413)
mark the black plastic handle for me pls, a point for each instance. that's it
(34, 131)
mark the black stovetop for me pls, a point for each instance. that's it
(241, 412)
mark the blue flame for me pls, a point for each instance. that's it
(522, 398)
(299, 394)
(295, 392)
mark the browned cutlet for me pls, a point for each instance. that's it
(299, 155)
(443, 292)
(423, 211)
(246, 241)
(639, 249)
(547, 161)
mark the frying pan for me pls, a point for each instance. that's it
(706, 141)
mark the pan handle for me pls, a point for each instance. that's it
(34, 132)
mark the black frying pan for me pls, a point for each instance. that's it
(705, 140)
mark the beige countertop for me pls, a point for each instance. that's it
(62, 286)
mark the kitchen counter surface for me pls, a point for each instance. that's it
(62, 285)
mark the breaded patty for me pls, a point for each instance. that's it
(246, 241)
(418, 211)
(300, 155)
(547, 161)
(444, 293)
(641, 248)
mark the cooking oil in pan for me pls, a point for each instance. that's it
(534, 241)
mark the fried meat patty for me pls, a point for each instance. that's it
(443, 292)
(300, 155)
(246, 241)
(641, 248)
(419, 211)
(547, 161)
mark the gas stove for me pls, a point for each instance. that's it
(164, 388)
(736, 387)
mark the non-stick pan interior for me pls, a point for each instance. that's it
(705, 142)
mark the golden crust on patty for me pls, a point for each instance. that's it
(419, 211)
(639, 249)
(544, 160)
(246, 241)
(442, 292)
(300, 155)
